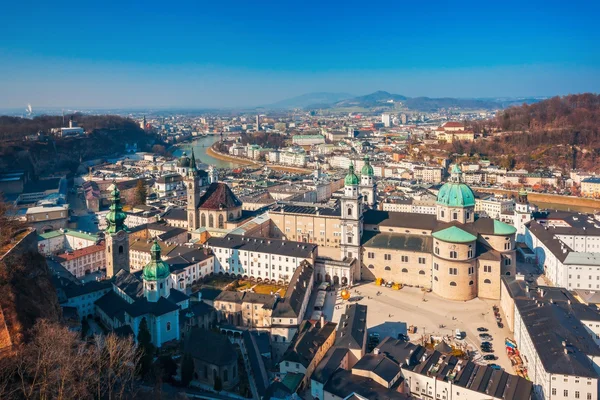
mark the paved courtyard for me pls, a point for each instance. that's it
(393, 311)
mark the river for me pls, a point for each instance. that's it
(200, 146)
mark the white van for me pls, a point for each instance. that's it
(458, 334)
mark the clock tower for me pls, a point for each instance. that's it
(116, 236)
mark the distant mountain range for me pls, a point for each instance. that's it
(382, 99)
(310, 99)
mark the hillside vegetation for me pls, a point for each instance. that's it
(561, 131)
(107, 136)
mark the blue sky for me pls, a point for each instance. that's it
(241, 53)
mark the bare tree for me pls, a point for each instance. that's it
(55, 364)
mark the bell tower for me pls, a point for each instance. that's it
(367, 183)
(193, 194)
(352, 217)
(522, 214)
(116, 236)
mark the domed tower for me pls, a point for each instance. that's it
(116, 236)
(352, 217)
(456, 201)
(155, 276)
(183, 164)
(367, 183)
(193, 193)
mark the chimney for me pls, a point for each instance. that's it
(322, 320)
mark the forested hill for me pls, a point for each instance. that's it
(561, 131)
(16, 128)
(107, 136)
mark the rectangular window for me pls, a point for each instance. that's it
(404, 258)
(453, 271)
(487, 268)
(387, 257)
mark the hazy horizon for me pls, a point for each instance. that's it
(240, 55)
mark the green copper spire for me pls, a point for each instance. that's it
(156, 269)
(367, 169)
(351, 178)
(115, 217)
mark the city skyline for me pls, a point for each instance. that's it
(240, 55)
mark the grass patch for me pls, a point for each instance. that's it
(217, 281)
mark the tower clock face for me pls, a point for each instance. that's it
(120, 236)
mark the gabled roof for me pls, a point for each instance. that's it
(218, 196)
(352, 328)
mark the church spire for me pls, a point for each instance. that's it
(115, 217)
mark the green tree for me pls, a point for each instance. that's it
(187, 369)
(140, 192)
(146, 348)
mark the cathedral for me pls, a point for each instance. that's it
(454, 253)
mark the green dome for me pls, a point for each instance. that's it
(501, 228)
(367, 169)
(351, 178)
(156, 269)
(454, 194)
(454, 234)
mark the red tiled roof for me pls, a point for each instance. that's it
(81, 252)
(218, 196)
(452, 124)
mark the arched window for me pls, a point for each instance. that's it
(442, 214)
(404, 270)
(487, 281)
(349, 212)
(220, 221)
(225, 376)
(507, 273)
(211, 221)
(120, 249)
(203, 220)
(109, 249)
(435, 278)
(205, 372)
(452, 283)
(421, 272)
(371, 266)
(152, 286)
(470, 283)
(190, 186)
(388, 269)
(231, 216)
(168, 326)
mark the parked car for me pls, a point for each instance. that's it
(495, 366)
(486, 350)
(485, 336)
(482, 329)
(486, 344)
(489, 357)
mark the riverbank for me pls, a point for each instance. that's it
(548, 199)
(224, 157)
